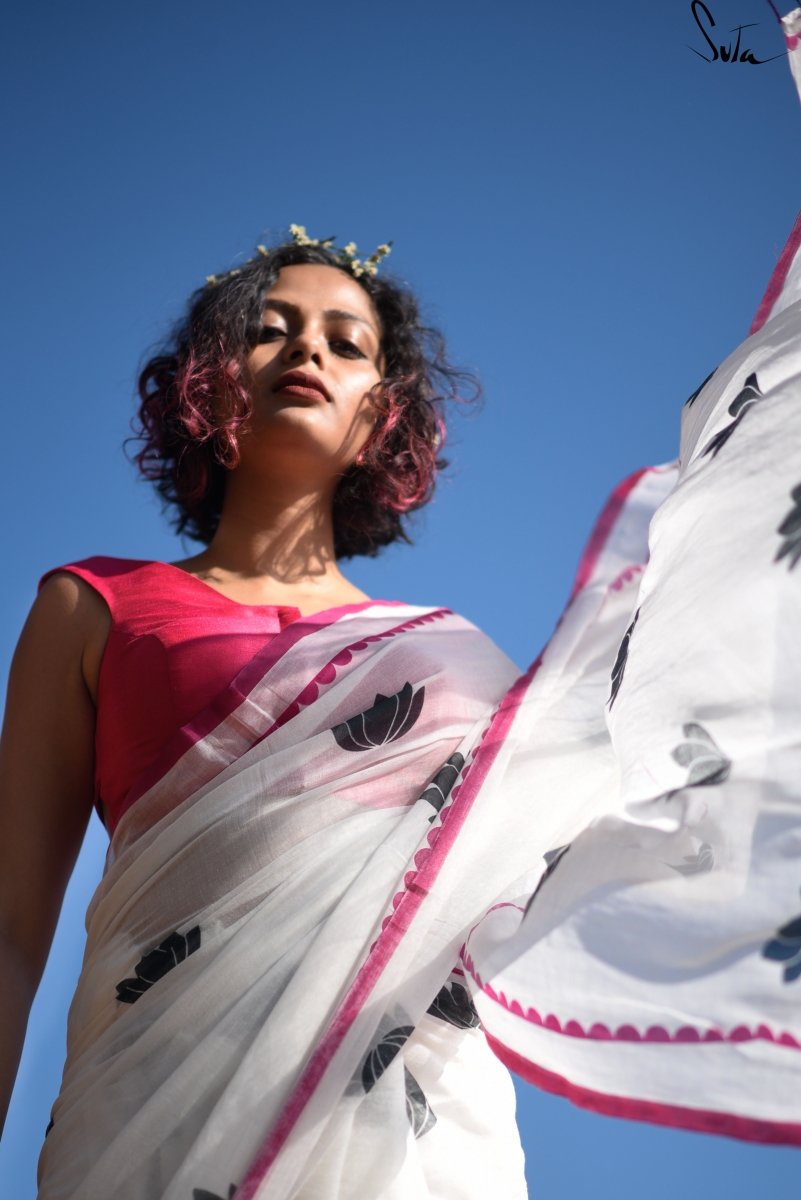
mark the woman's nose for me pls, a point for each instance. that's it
(305, 346)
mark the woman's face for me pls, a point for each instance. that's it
(318, 356)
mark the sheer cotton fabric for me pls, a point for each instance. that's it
(243, 891)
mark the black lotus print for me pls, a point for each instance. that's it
(202, 1194)
(790, 529)
(739, 406)
(696, 864)
(453, 1004)
(439, 788)
(706, 765)
(620, 661)
(706, 762)
(387, 719)
(418, 1110)
(785, 947)
(156, 963)
(690, 401)
(383, 1053)
(552, 858)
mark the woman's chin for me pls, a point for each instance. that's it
(299, 433)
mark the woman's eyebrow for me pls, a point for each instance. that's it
(339, 314)
(333, 314)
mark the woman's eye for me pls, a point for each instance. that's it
(349, 349)
(269, 333)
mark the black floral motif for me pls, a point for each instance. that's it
(453, 1004)
(386, 720)
(785, 947)
(739, 406)
(688, 403)
(706, 763)
(790, 529)
(418, 1110)
(620, 661)
(202, 1194)
(156, 963)
(439, 788)
(696, 864)
(383, 1053)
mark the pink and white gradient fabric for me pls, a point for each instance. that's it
(275, 999)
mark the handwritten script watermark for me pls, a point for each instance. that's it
(731, 52)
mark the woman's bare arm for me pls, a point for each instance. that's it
(46, 790)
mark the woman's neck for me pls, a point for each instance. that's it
(275, 546)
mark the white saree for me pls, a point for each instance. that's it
(379, 836)
(232, 935)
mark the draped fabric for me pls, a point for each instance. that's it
(242, 907)
(392, 854)
(655, 971)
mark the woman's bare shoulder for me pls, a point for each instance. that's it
(68, 622)
(46, 762)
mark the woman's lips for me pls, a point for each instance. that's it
(299, 383)
(295, 389)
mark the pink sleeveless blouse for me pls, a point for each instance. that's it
(174, 644)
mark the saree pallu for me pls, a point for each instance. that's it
(654, 971)
(379, 835)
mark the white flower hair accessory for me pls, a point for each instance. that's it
(347, 255)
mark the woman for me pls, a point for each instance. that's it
(256, 769)
(350, 830)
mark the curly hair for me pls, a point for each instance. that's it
(193, 405)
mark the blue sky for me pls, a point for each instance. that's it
(589, 210)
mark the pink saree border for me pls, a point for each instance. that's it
(603, 527)
(675, 1116)
(778, 278)
(598, 1031)
(406, 904)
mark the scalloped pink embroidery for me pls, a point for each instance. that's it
(326, 675)
(627, 1033)
(626, 576)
